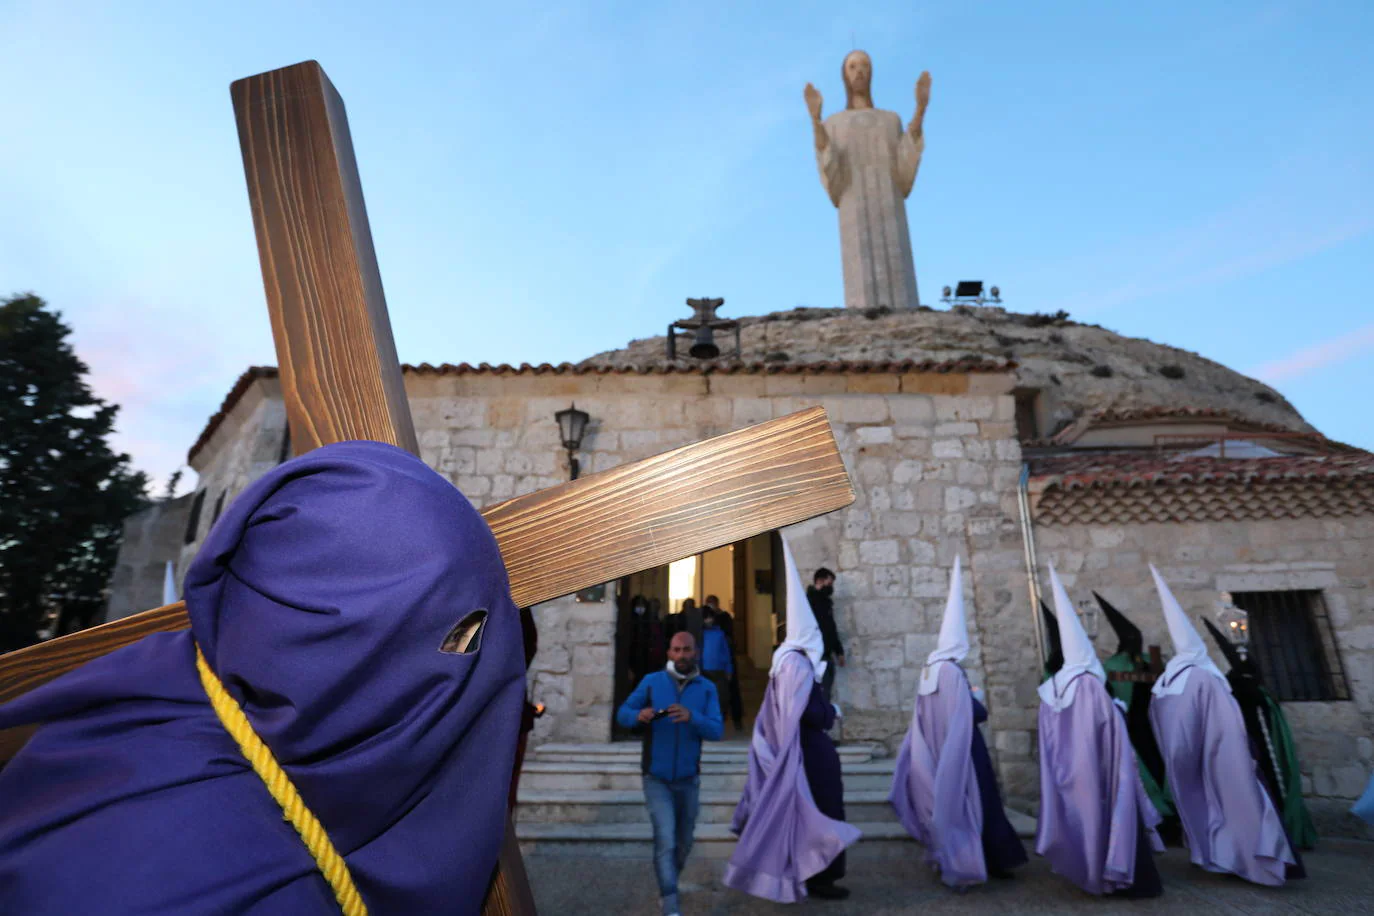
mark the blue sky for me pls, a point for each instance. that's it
(546, 181)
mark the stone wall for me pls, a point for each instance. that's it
(246, 445)
(932, 456)
(1201, 560)
(150, 539)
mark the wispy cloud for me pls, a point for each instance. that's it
(1318, 356)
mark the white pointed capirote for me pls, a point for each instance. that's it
(1189, 649)
(1079, 655)
(803, 633)
(169, 585)
(953, 642)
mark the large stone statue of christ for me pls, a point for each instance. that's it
(868, 164)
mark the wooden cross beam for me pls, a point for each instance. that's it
(341, 380)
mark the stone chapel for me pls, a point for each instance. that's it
(1010, 440)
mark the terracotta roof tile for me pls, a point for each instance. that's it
(1134, 488)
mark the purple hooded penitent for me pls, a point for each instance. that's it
(784, 838)
(1096, 823)
(943, 787)
(934, 787)
(321, 599)
(1229, 819)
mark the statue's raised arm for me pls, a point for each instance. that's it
(916, 128)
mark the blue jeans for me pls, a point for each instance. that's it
(673, 811)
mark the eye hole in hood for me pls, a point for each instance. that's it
(466, 636)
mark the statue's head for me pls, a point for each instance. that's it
(857, 72)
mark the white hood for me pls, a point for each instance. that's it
(803, 633)
(1189, 649)
(1079, 654)
(953, 644)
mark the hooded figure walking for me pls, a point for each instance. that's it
(1229, 820)
(790, 819)
(1096, 824)
(943, 788)
(1130, 659)
(1271, 740)
(352, 640)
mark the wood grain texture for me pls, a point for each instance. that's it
(24, 669)
(696, 498)
(593, 530)
(509, 893)
(339, 373)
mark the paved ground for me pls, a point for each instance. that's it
(892, 881)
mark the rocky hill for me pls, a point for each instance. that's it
(1081, 367)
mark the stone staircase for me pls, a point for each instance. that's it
(587, 798)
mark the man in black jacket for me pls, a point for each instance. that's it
(819, 595)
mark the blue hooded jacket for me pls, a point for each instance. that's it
(673, 751)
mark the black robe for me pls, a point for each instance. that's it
(822, 764)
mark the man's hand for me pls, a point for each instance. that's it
(679, 714)
(840, 658)
(646, 715)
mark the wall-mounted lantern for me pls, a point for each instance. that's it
(572, 424)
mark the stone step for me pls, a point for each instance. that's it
(712, 841)
(557, 776)
(712, 752)
(605, 806)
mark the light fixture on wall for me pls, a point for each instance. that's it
(1235, 623)
(572, 424)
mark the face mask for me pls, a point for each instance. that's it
(826, 590)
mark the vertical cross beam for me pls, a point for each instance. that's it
(340, 376)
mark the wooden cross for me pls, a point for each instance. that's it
(341, 380)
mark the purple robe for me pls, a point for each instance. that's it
(1094, 813)
(783, 837)
(321, 599)
(934, 786)
(1227, 816)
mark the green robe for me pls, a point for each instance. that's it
(1125, 691)
(1295, 815)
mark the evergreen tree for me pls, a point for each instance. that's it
(63, 492)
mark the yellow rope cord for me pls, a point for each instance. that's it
(331, 864)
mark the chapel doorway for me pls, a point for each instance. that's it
(745, 577)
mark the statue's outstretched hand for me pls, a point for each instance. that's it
(813, 101)
(923, 91)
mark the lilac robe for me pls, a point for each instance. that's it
(1094, 812)
(1227, 816)
(783, 837)
(321, 599)
(934, 786)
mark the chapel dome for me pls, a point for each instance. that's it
(1082, 368)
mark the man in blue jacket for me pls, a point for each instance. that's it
(677, 709)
